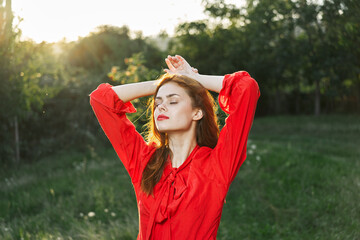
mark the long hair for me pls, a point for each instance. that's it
(207, 129)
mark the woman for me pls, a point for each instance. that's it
(182, 174)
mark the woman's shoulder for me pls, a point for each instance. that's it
(203, 152)
(148, 150)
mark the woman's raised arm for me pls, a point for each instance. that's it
(177, 65)
(131, 91)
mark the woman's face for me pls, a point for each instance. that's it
(173, 109)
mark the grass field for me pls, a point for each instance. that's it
(301, 180)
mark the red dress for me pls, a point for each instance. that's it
(187, 201)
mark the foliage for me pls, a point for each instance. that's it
(9, 86)
(109, 46)
(304, 55)
(136, 71)
(53, 82)
(293, 49)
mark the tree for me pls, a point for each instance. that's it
(9, 85)
(28, 73)
(109, 46)
(341, 20)
(293, 48)
(136, 71)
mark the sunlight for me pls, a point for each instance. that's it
(55, 20)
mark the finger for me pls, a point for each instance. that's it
(176, 64)
(173, 61)
(179, 58)
(170, 58)
(168, 62)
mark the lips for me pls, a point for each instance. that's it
(162, 117)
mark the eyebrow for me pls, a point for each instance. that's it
(169, 96)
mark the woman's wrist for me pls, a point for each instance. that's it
(210, 82)
(131, 91)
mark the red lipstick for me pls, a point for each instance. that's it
(162, 117)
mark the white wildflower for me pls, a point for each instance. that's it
(91, 214)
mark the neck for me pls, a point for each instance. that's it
(181, 145)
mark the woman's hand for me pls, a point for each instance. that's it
(178, 65)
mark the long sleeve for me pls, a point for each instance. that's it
(238, 97)
(128, 143)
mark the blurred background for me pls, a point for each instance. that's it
(60, 178)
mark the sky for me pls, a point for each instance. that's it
(54, 20)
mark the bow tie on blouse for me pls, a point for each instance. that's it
(169, 195)
(171, 192)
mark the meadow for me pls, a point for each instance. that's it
(301, 180)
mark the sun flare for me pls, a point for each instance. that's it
(52, 21)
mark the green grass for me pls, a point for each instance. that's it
(301, 180)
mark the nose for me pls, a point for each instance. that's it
(161, 107)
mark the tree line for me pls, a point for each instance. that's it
(305, 56)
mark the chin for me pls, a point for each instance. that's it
(162, 127)
(162, 130)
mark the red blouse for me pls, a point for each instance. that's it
(187, 201)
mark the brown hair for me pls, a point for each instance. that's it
(207, 130)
